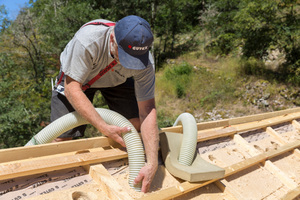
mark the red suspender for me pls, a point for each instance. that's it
(103, 71)
(99, 23)
(60, 78)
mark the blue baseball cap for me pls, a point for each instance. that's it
(134, 39)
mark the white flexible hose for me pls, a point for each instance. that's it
(189, 140)
(132, 139)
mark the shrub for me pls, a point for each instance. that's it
(223, 45)
(179, 76)
(252, 66)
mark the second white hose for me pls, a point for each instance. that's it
(189, 140)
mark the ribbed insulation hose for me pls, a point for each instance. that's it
(132, 139)
(189, 138)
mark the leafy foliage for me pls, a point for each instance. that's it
(258, 27)
(22, 108)
(4, 21)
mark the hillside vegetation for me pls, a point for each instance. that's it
(217, 88)
(215, 59)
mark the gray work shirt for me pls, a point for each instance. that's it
(89, 52)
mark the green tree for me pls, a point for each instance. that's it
(25, 35)
(4, 21)
(22, 108)
(255, 22)
(59, 20)
(288, 37)
(265, 25)
(218, 19)
(257, 27)
(171, 19)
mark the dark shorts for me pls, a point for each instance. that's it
(120, 99)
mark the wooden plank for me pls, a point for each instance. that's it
(292, 194)
(20, 153)
(185, 187)
(297, 152)
(280, 139)
(262, 116)
(235, 121)
(175, 129)
(246, 119)
(296, 124)
(107, 183)
(84, 192)
(250, 149)
(216, 133)
(225, 186)
(268, 164)
(233, 129)
(277, 136)
(267, 122)
(280, 175)
(34, 166)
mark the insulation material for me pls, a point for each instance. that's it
(288, 163)
(288, 132)
(261, 140)
(26, 187)
(208, 192)
(214, 144)
(257, 183)
(120, 171)
(283, 128)
(255, 135)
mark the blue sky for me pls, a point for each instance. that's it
(13, 6)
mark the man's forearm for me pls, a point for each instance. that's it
(149, 132)
(84, 107)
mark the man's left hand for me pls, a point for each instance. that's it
(146, 175)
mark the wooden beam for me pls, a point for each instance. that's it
(292, 194)
(263, 116)
(250, 149)
(297, 152)
(268, 164)
(107, 183)
(175, 129)
(225, 186)
(185, 187)
(35, 166)
(20, 153)
(282, 140)
(233, 129)
(246, 119)
(296, 124)
(236, 121)
(216, 133)
(280, 175)
(276, 135)
(267, 122)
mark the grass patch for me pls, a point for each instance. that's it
(175, 79)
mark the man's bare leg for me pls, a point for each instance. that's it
(136, 123)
